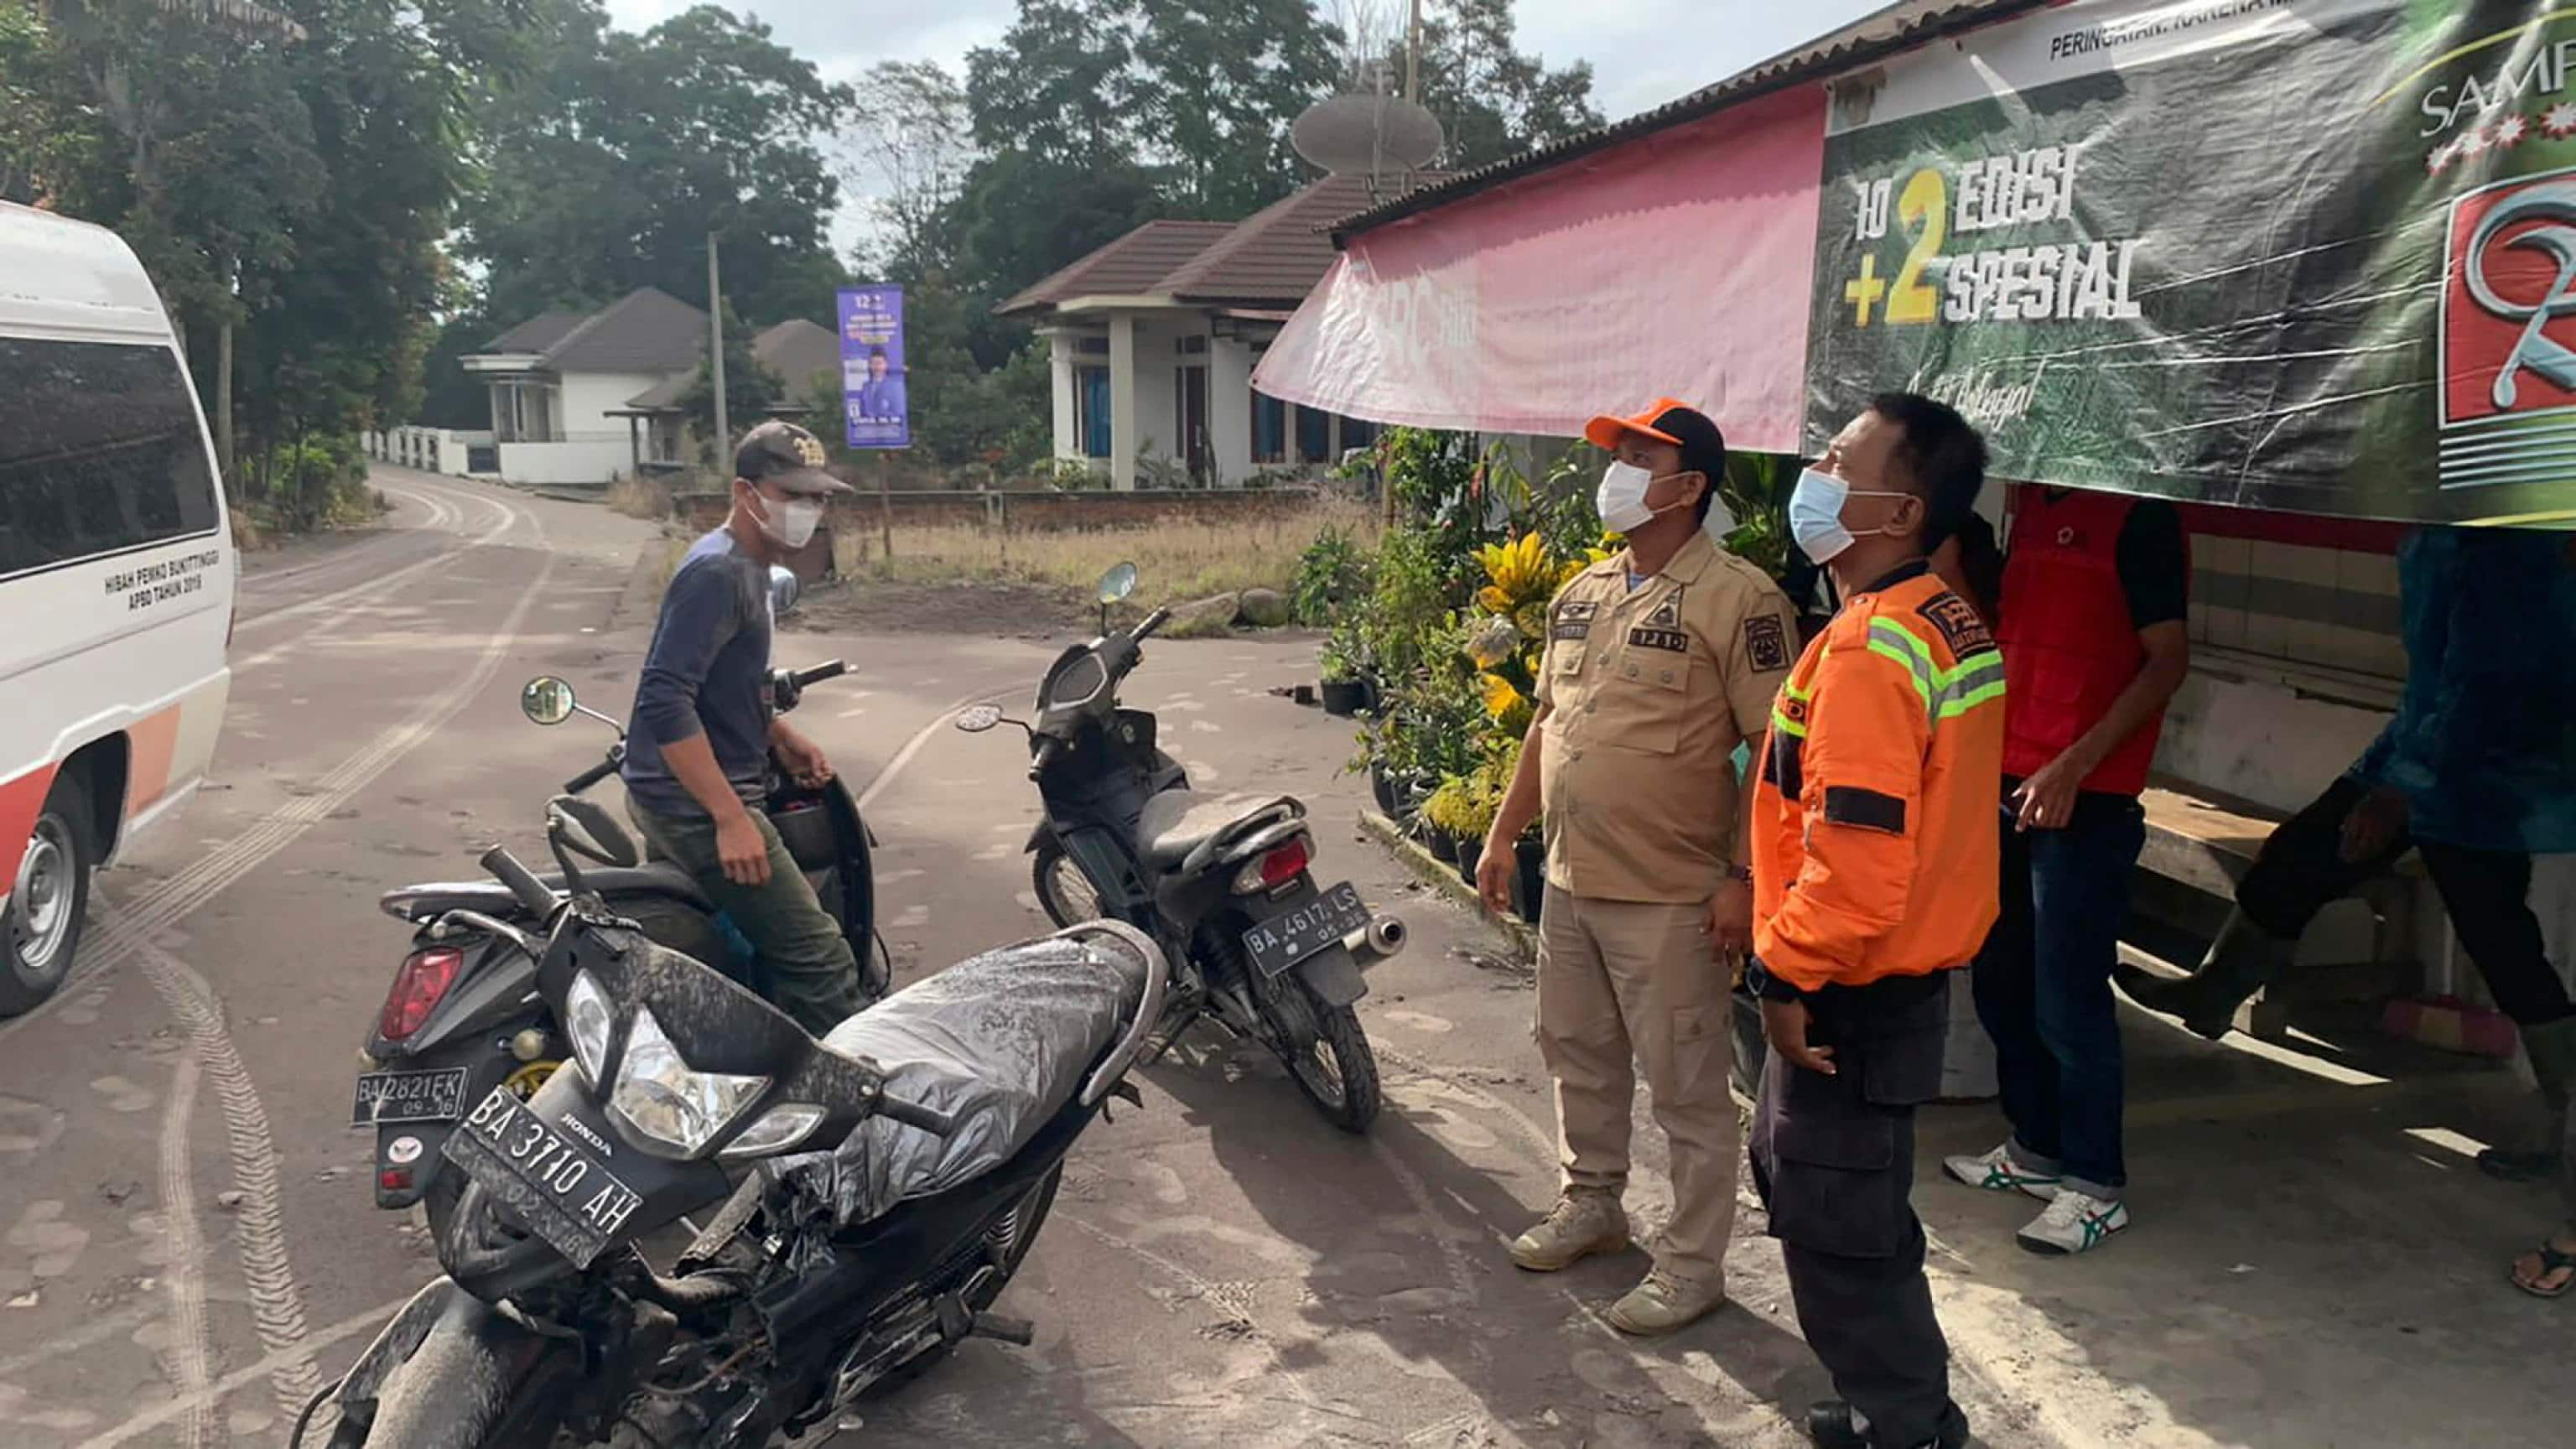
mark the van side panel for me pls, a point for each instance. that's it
(20, 799)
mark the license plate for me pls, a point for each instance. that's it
(563, 1193)
(1283, 941)
(385, 1098)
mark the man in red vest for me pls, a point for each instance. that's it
(2094, 644)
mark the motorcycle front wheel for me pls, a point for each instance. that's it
(1064, 892)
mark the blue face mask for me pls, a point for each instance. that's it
(1816, 513)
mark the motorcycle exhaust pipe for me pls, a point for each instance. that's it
(1381, 939)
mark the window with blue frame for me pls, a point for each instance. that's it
(1269, 429)
(1091, 411)
(1314, 436)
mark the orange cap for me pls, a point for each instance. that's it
(1604, 431)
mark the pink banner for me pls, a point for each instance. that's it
(1678, 264)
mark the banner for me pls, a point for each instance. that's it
(872, 375)
(2316, 255)
(1674, 265)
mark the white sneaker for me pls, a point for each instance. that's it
(2074, 1223)
(1997, 1171)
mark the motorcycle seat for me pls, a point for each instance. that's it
(1176, 822)
(658, 878)
(1002, 1041)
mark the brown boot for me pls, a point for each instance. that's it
(1583, 1222)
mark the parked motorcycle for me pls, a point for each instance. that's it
(871, 1193)
(1222, 882)
(463, 1014)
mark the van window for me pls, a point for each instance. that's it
(100, 452)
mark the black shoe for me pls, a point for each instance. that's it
(2202, 1011)
(1834, 1424)
(2506, 1165)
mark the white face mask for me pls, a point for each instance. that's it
(794, 522)
(1816, 513)
(1621, 498)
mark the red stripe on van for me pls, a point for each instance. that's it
(20, 799)
(150, 742)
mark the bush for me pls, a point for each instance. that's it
(1332, 575)
(318, 483)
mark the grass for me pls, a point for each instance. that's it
(1177, 560)
(645, 498)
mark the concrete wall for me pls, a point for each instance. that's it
(591, 460)
(1230, 407)
(1035, 512)
(430, 450)
(588, 396)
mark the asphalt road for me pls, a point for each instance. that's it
(188, 1246)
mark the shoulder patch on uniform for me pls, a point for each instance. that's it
(1675, 640)
(1766, 643)
(1965, 633)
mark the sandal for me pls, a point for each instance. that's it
(2552, 1260)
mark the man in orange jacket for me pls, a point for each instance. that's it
(1873, 824)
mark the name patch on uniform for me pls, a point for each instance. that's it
(1671, 639)
(1766, 644)
(1958, 624)
(1573, 619)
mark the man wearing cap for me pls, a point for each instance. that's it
(698, 748)
(1660, 661)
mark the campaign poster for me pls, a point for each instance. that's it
(872, 374)
(2313, 255)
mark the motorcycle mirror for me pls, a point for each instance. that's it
(591, 830)
(784, 589)
(1118, 583)
(980, 718)
(547, 700)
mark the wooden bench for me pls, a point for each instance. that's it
(2208, 841)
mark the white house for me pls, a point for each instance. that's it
(1154, 336)
(806, 356)
(562, 384)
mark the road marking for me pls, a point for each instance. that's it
(163, 1412)
(277, 1304)
(510, 517)
(921, 737)
(187, 1266)
(171, 900)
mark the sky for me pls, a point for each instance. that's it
(1643, 52)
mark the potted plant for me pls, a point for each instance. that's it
(1458, 818)
(1345, 691)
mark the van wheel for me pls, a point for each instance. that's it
(48, 902)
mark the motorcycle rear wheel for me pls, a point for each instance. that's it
(1011, 1240)
(1339, 1072)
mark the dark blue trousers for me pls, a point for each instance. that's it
(2043, 987)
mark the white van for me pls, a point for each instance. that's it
(116, 582)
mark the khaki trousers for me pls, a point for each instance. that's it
(1620, 982)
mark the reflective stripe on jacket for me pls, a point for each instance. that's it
(1875, 818)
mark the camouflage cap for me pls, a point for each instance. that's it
(781, 452)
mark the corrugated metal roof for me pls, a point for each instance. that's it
(648, 330)
(1133, 265)
(1898, 27)
(1278, 253)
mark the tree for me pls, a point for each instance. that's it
(1494, 101)
(750, 388)
(607, 172)
(909, 145)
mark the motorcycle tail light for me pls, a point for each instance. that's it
(394, 1179)
(418, 988)
(1275, 868)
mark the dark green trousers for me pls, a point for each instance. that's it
(812, 974)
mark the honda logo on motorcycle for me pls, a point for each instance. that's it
(2508, 332)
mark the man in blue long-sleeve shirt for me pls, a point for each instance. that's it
(2477, 770)
(698, 749)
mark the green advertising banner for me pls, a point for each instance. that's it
(2316, 255)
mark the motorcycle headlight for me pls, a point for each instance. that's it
(660, 1097)
(588, 1022)
(778, 1129)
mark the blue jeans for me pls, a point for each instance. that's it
(2043, 986)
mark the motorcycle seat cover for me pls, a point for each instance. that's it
(1002, 1041)
(1176, 822)
(652, 878)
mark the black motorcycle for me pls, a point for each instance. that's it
(463, 1014)
(1220, 881)
(870, 1194)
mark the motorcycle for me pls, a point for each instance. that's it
(1221, 882)
(872, 1192)
(462, 1013)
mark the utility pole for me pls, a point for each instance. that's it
(1413, 55)
(715, 353)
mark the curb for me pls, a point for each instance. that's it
(1443, 876)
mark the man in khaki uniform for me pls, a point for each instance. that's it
(1660, 661)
